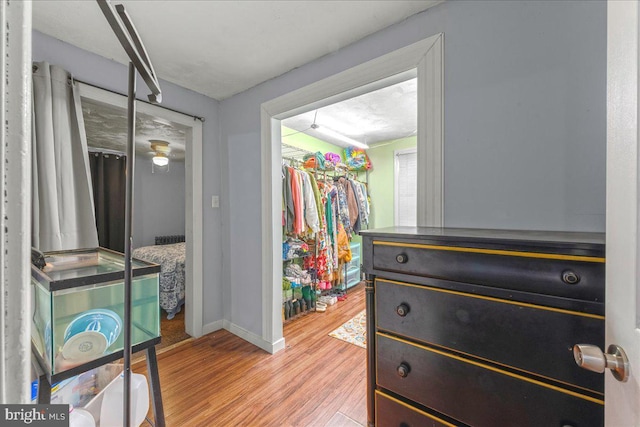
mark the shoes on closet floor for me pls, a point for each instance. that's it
(328, 299)
(320, 306)
(287, 310)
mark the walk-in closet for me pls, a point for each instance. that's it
(341, 175)
(325, 205)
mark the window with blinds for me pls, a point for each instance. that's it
(406, 182)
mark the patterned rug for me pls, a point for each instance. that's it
(353, 331)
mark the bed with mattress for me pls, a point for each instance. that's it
(169, 253)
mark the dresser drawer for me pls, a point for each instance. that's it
(391, 412)
(478, 394)
(531, 338)
(549, 274)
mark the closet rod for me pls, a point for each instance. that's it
(292, 159)
(202, 119)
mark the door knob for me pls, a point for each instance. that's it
(590, 357)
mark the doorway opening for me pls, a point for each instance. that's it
(159, 182)
(422, 60)
(344, 153)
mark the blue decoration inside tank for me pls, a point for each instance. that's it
(90, 334)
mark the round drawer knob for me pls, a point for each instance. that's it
(402, 310)
(402, 258)
(569, 277)
(403, 370)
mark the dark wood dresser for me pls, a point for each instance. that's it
(476, 327)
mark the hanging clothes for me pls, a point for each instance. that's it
(287, 195)
(298, 202)
(334, 216)
(361, 193)
(354, 205)
(316, 196)
(344, 249)
(323, 213)
(343, 207)
(310, 208)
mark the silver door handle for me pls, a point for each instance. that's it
(591, 358)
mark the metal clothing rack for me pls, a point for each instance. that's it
(290, 152)
(130, 40)
(295, 155)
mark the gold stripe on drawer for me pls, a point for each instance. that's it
(421, 412)
(492, 251)
(520, 304)
(491, 368)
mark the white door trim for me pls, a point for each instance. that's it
(193, 198)
(15, 211)
(425, 57)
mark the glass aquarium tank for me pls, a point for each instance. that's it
(78, 307)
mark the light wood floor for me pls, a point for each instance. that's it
(221, 380)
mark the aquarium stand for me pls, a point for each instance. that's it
(45, 379)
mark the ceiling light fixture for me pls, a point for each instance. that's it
(160, 159)
(336, 135)
(161, 151)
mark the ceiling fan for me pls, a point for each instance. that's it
(161, 152)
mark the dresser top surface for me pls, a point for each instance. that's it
(471, 234)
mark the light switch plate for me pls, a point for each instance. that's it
(215, 201)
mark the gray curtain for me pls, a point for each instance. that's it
(109, 176)
(62, 209)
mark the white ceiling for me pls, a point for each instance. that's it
(106, 129)
(220, 48)
(382, 115)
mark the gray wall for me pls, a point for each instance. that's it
(524, 125)
(159, 202)
(110, 75)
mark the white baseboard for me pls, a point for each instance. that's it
(254, 339)
(250, 337)
(212, 327)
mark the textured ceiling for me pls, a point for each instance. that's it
(382, 115)
(106, 128)
(220, 48)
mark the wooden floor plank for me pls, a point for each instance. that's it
(221, 380)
